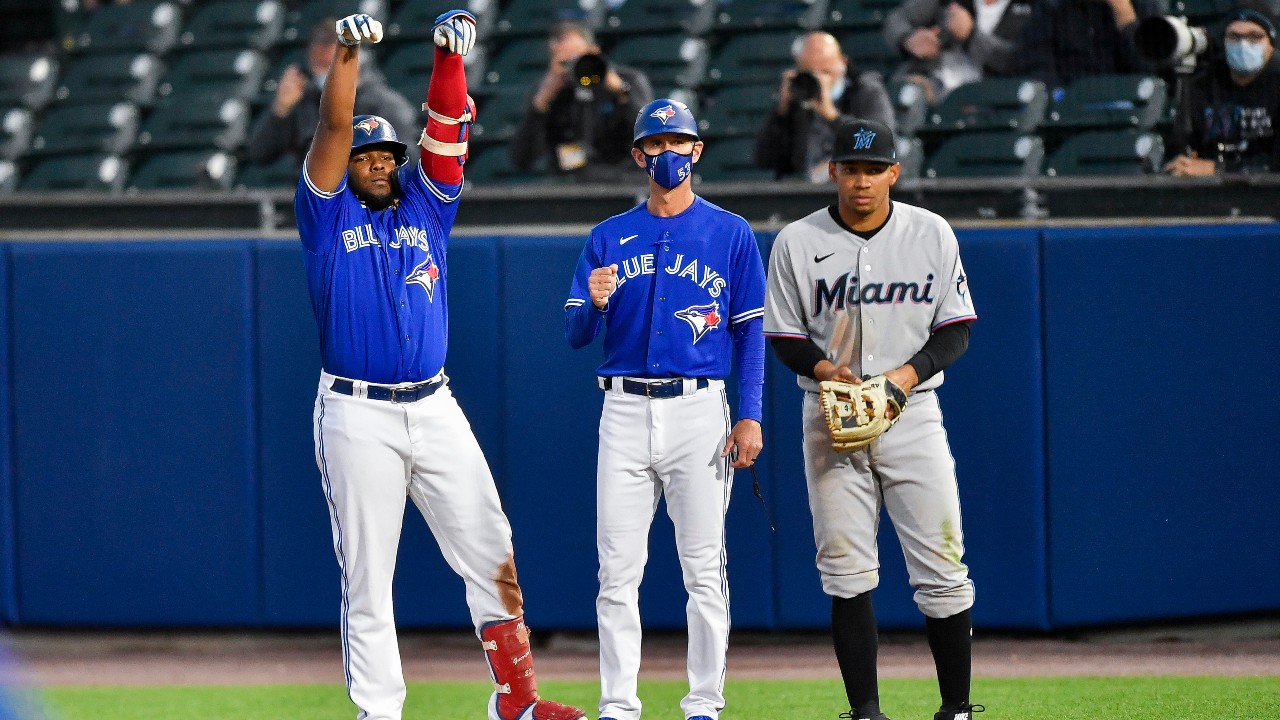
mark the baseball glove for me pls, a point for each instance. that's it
(858, 413)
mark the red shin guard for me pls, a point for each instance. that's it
(506, 647)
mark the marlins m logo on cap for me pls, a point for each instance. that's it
(664, 113)
(863, 138)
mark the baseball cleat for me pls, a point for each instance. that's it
(964, 712)
(700, 717)
(851, 716)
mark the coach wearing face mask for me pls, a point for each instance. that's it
(1231, 111)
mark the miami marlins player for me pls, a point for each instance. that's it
(677, 284)
(386, 424)
(866, 287)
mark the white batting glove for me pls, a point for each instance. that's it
(354, 29)
(455, 31)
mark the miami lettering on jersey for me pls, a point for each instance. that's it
(844, 289)
(707, 279)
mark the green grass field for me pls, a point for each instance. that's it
(1083, 698)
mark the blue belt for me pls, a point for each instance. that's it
(661, 389)
(409, 394)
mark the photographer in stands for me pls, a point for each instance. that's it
(823, 87)
(583, 111)
(1230, 110)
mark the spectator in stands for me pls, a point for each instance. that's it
(584, 127)
(286, 127)
(823, 88)
(949, 43)
(1068, 39)
(1231, 110)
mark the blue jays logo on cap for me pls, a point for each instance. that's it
(367, 125)
(425, 274)
(664, 113)
(702, 318)
(863, 138)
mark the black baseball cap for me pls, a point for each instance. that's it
(865, 140)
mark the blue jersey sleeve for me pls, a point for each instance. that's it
(583, 319)
(746, 318)
(317, 214)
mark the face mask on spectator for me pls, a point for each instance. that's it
(1245, 57)
(319, 79)
(838, 88)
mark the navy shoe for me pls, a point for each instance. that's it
(964, 712)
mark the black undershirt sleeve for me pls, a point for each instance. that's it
(798, 354)
(943, 347)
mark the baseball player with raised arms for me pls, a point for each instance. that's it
(386, 424)
(677, 284)
(871, 288)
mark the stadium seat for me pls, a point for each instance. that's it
(215, 74)
(910, 106)
(131, 27)
(858, 14)
(195, 121)
(753, 58)
(97, 172)
(740, 15)
(17, 126)
(995, 154)
(414, 20)
(282, 173)
(408, 68)
(868, 51)
(670, 61)
(691, 17)
(518, 65)
(497, 117)
(100, 127)
(185, 170)
(730, 160)
(996, 104)
(299, 21)
(117, 76)
(522, 18)
(28, 79)
(736, 110)
(8, 177)
(1108, 101)
(491, 167)
(1115, 152)
(237, 24)
(910, 156)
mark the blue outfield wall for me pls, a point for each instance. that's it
(161, 470)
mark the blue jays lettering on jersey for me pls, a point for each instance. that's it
(687, 286)
(377, 279)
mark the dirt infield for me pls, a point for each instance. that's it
(60, 658)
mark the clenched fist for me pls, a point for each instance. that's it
(355, 29)
(601, 284)
(455, 31)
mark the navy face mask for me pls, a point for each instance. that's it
(669, 168)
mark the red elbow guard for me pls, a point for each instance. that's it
(450, 112)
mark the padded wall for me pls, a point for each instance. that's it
(132, 374)
(1162, 421)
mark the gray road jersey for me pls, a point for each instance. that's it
(869, 304)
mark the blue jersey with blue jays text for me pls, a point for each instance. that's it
(690, 295)
(377, 279)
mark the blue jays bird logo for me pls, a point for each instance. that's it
(664, 113)
(426, 275)
(702, 318)
(368, 125)
(863, 138)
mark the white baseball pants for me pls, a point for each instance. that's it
(650, 448)
(372, 454)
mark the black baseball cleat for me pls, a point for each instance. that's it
(964, 712)
(851, 716)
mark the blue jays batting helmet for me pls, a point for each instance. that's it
(664, 116)
(372, 130)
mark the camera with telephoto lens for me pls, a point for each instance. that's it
(589, 70)
(804, 87)
(1170, 40)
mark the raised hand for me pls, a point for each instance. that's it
(355, 29)
(455, 31)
